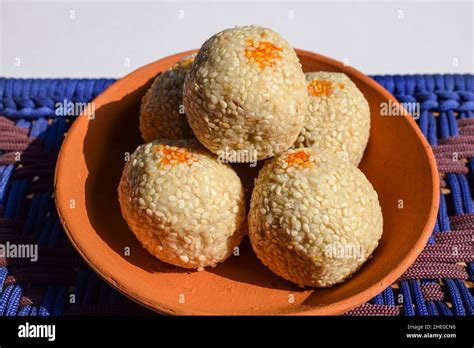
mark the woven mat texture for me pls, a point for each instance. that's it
(440, 282)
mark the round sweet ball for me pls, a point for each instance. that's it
(162, 113)
(246, 91)
(338, 118)
(314, 219)
(185, 207)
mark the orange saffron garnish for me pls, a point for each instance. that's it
(299, 158)
(341, 86)
(318, 88)
(264, 53)
(174, 155)
(185, 64)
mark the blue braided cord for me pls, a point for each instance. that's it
(39, 127)
(470, 271)
(455, 193)
(35, 98)
(45, 206)
(423, 122)
(448, 104)
(448, 82)
(32, 213)
(443, 217)
(455, 297)
(420, 305)
(4, 180)
(43, 312)
(56, 234)
(11, 201)
(459, 82)
(438, 81)
(407, 302)
(38, 217)
(467, 105)
(4, 298)
(399, 84)
(465, 193)
(24, 311)
(432, 310)
(45, 232)
(432, 138)
(466, 296)
(378, 300)
(428, 100)
(46, 304)
(14, 301)
(58, 136)
(15, 207)
(22, 123)
(33, 311)
(443, 125)
(389, 296)
(59, 302)
(384, 80)
(436, 229)
(453, 123)
(14, 197)
(3, 276)
(444, 309)
(432, 240)
(50, 136)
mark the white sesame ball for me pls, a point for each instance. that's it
(314, 219)
(162, 110)
(338, 118)
(246, 91)
(185, 207)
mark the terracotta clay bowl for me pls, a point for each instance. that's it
(398, 162)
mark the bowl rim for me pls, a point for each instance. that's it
(335, 308)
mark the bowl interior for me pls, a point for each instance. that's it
(397, 161)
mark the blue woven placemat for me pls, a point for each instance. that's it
(59, 282)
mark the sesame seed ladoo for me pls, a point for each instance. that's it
(162, 110)
(314, 219)
(338, 117)
(246, 91)
(185, 207)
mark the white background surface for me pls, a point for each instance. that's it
(112, 38)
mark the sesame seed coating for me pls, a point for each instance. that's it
(246, 91)
(314, 219)
(162, 110)
(338, 118)
(185, 207)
